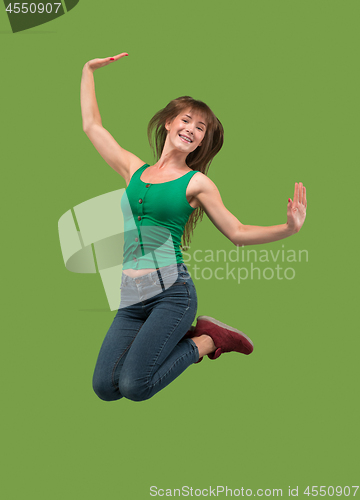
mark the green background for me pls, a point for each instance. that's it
(283, 78)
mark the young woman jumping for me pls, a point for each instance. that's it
(151, 341)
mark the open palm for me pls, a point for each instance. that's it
(296, 209)
(99, 63)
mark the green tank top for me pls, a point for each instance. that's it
(154, 220)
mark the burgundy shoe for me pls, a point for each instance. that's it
(225, 338)
(190, 333)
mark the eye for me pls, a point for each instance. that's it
(200, 129)
(184, 120)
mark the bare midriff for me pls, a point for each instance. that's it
(135, 273)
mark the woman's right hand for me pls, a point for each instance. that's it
(99, 63)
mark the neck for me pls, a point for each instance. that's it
(171, 158)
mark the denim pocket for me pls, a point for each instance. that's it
(178, 293)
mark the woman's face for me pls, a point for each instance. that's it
(186, 131)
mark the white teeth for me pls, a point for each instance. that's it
(186, 138)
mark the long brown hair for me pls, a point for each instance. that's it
(199, 159)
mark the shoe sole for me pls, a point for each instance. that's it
(218, 323)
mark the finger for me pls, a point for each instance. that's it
(304, 196)
(296, 193)
(119, 56)
(300, 192)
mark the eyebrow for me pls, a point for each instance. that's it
(199, 122)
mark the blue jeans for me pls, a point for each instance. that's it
(144, 349)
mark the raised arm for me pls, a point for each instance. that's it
(242, 234)
(122, 161)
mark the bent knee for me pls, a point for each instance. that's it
(105, 391)
(133, 389)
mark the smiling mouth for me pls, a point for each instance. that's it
(185, 139)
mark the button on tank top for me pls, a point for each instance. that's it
(154, 220)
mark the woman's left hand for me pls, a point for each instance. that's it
(296, 210)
